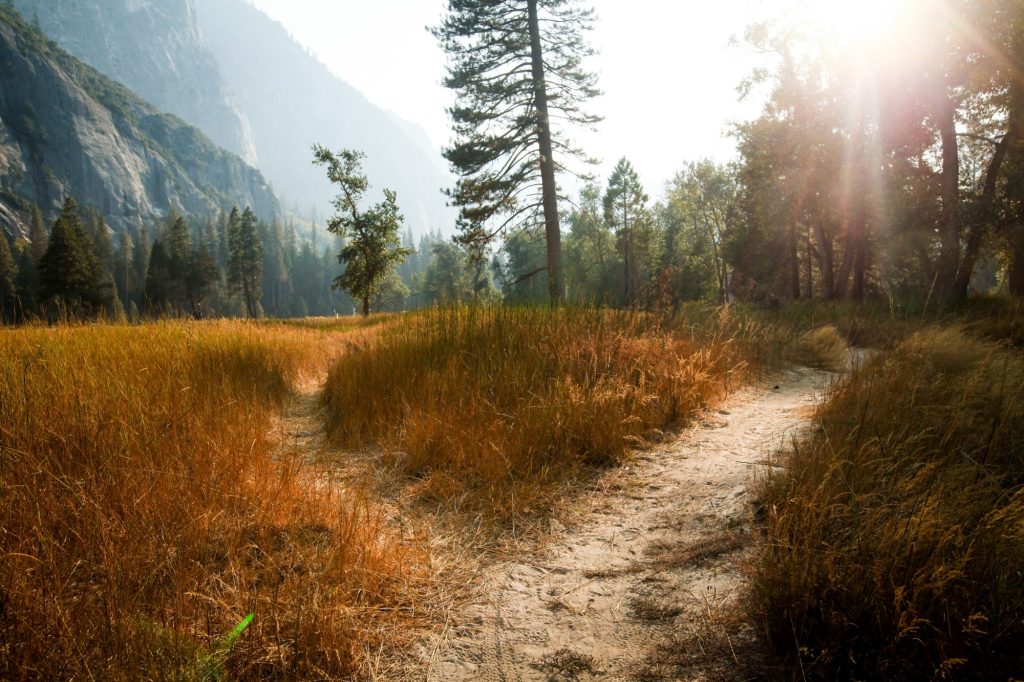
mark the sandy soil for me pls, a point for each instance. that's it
(655, 551)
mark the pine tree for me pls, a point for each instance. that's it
(8, 277)
(27, 282)
(201, 277)
(159, 290)
(178, 246)
(516, 66)
(374, 248)
(245, 261)
(123, 272)
(37, 235)
(69, 272)
(140, 268)
(625, 211)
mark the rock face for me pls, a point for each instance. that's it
(226, 68)
(156, 49)
(65, 129)
(294, 101)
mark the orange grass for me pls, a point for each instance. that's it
(489, 406)
(896, 539)
(145, 512)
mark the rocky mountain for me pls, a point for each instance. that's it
(156, 49)
(227, 68)
(66, 129)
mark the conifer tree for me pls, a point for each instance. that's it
(625, 211)
(69, 271)
(27, 282)
(37, 235)
(516, 65)
(373, 248)
(123, 273)
(159, 289)
(140, 263)
(8, 277)
(245, 261)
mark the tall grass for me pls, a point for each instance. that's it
(490, 406)
(896, 537)
(145, 512)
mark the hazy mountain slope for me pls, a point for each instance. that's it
(65, 129)
(293, 101)
(156, 49)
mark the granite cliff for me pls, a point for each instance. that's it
(66, 129)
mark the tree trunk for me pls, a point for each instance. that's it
(794, 264)
(552, 228)
(366, 306)
(859, 264)
(826, 258)
(810, 265)
(627, 249)
(950, 224)
(986, 211)
(1015, 235)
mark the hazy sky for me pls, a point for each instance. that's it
(666, 67)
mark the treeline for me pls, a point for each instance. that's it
(230, 266)
(622, 250)
(887, 166)
(892, 166)
(233, 265)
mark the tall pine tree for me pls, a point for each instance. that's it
(245, 259)
(625, 211)
(517, 66)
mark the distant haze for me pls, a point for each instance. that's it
(667, 70)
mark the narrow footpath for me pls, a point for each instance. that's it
(656, 557)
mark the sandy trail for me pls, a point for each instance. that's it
(659, 546)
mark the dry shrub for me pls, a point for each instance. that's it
(145, 513)
(824, 348)
(896, 539)
(497, 403)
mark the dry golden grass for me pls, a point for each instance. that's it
(823, 348)
(488, 407)
(896, 538)
(146, 512)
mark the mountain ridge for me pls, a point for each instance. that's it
(227, 68)
(68, 130)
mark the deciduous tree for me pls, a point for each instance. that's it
(373, 247)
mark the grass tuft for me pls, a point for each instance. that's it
(895, 540)
(824, 348)
(488, 407)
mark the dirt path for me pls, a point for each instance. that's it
(657, 551)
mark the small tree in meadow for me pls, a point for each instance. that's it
(373, 248)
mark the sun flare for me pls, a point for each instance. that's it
(854, 20)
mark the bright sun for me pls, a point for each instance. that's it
(854, 20)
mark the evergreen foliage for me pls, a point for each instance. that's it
(517, 69)
(8, 278)
(245, 259)
(70, 273)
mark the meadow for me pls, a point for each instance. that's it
(147, 510)
(491, 410)
(151, 504)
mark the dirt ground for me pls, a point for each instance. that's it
(656, 553)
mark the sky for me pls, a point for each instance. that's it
(667, 68)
